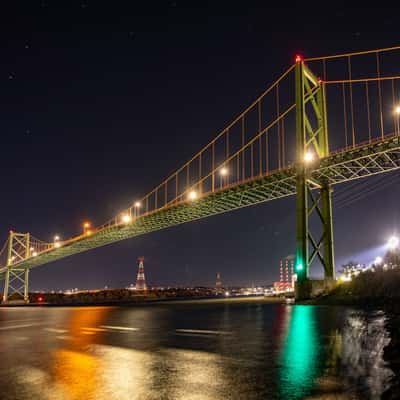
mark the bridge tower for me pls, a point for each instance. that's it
(17, 279)
(313, 197)
(140, 279)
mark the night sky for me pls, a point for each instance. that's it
(100, 101)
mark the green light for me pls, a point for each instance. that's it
(299, 267)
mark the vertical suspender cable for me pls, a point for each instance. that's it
(283, 142)
(243, 151)
(351, 103)
(368, 111)
(344, 113)
(266, 152)
(251, 160)
(278, 126)
(259, 139)
(393, 107)
(212, 167)
(200, 175)
(378, 70)
(227, 152)
(176, 186)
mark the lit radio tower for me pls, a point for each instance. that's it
(140, 279)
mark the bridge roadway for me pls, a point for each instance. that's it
(358, 162)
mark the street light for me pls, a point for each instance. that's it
(126, 219)
(397, 113)
(308, 157)
(86, 226)
(393, 243)
(223, 172)
(192, 195)
(57, 241)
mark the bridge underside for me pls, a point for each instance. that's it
(359, 162)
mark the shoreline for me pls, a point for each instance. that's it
(147, 302)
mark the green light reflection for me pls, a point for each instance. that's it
(299, 358)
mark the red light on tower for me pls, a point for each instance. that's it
(298, 58)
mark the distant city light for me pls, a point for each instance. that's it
(86, 225)
(56, 238)
(227, 294)
(397, 110)
(378, 260)
(223, 171)
(88, 233)
(137, 204)
(126, 219)
(34, 254)
(57, 244)
(308, 157)
(192, 195)
(393, 243)
(31, 249)
(299, 267)
(40, 299)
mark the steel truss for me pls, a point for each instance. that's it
(360, 162)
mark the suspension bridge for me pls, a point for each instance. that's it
(324, 121)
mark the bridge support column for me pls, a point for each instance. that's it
(6, 285)
(313, 196)
(329, 261)
(17, 279)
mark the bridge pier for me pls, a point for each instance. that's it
(311, 288)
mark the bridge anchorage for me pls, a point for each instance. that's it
(278, 146)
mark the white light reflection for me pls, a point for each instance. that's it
(198, 370)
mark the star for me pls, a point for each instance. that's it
(11, 76)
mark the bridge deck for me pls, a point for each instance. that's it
(358, 162)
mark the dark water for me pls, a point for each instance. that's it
(192, 351)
